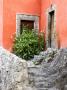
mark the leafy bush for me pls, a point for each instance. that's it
(27, 44)
(41, 41)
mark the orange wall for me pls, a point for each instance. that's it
(1, 21)
(11, 7)
(61, 19)
(34, 7)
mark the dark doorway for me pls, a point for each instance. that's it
(26, 23)
(51, 29)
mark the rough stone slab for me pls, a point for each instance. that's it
(51, 75)
(13, 72)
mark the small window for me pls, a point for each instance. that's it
(26, 23)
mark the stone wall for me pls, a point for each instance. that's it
(51, 75)
(13, 72)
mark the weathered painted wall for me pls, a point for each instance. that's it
(34, 7)
(61, 19)
(1, 21)
(11, 8)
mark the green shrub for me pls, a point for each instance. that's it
(41, 41)
(27, 44)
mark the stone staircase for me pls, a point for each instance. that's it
(37, 76)
(37, 72)
(51, 75)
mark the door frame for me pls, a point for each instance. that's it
(54, 34)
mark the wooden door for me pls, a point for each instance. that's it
(51, 29)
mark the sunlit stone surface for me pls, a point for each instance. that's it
(13, 72)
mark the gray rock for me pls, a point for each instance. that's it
(65, 87)
(17, 74)
(45, 56)
(51, 75)
(13, 72)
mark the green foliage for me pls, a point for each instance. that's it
(27, 44)
(41, 41)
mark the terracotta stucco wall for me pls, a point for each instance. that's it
(61, 19)
(1, 21)
(33, 7)
(11, 7)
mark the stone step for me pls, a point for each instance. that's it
(39, 69)
(34, 70)
(44, 64)
(43, 84)
(42, 89)
(40, 84)
(35, 66)
(38, 74)
(38, 79)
